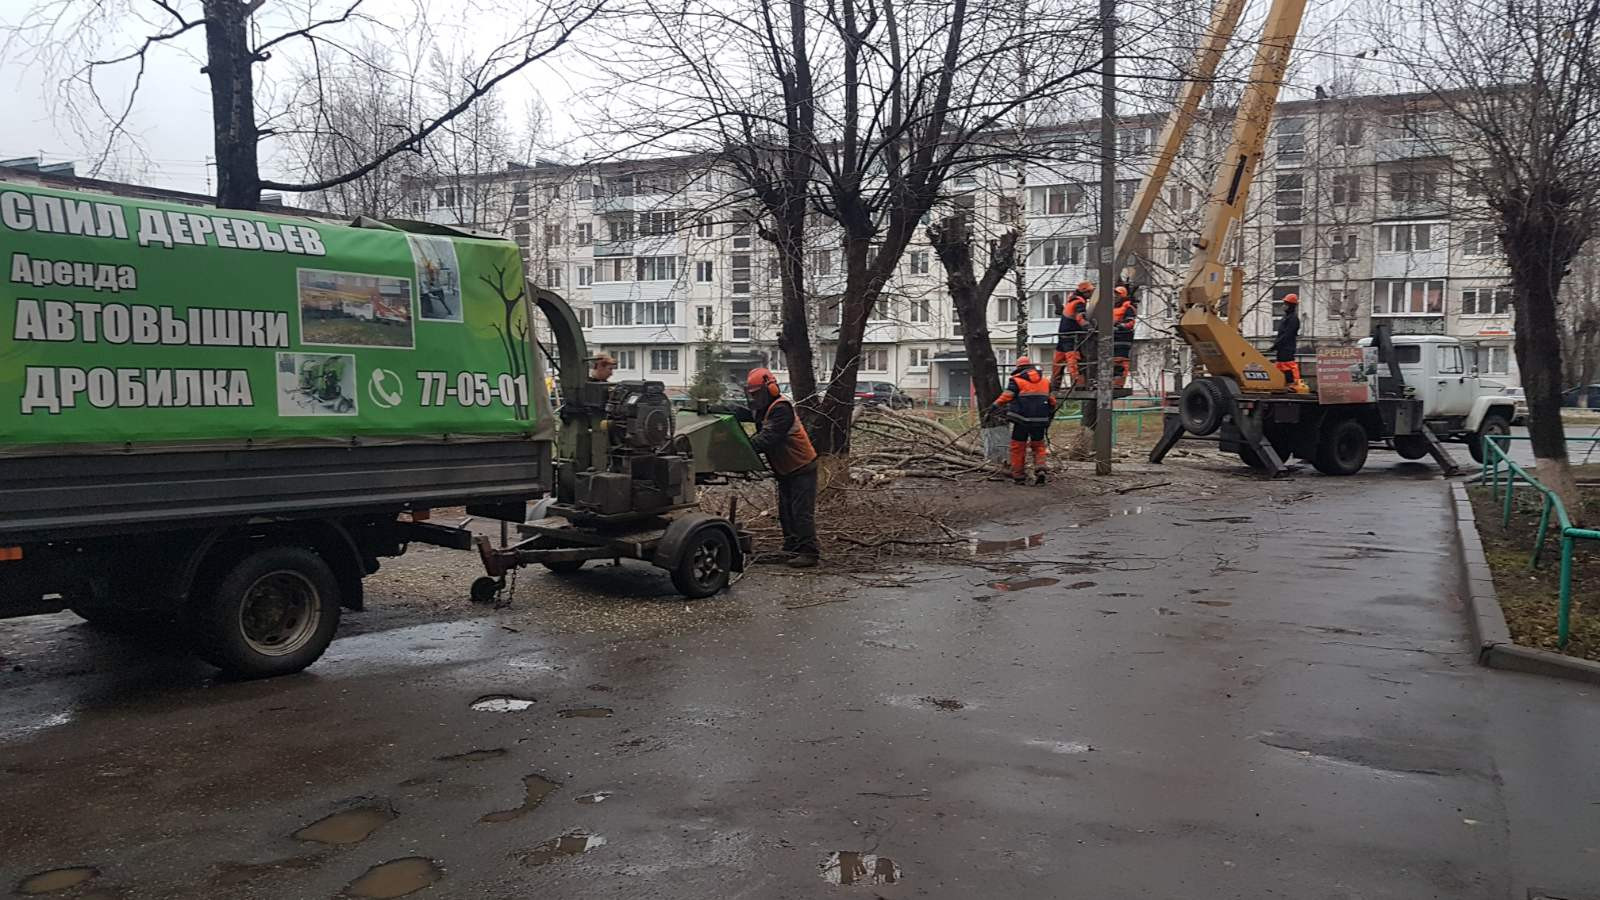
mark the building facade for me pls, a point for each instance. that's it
(1358, 207)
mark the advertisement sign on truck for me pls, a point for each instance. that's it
(127, 324)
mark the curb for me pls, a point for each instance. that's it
(1496, 650)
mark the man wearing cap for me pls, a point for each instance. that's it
(781, 437)
(1286, 344)
(602, 367)
(1070, 334)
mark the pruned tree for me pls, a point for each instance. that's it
(85, 41)
(1519, 86)
(952, 238)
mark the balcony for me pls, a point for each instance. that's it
(630, 203)
(612, 335)
(639, 291)
(1395, 149)
(613, 248)
(1416, 264)
(1043, 331)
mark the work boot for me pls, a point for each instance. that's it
(1019, 479)
(1040, 476)
(803, 561)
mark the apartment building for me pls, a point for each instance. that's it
(1358, 208)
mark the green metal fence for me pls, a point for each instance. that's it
(1502, 476)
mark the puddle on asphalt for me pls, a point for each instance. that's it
(1022, 584)
(851, 867)
(596, 797)
(988, 548)
(351, 826)
(945, 703)
(472, 756)
(501, 703)
(539, 787)
(1079, 585)
(570, 844)
(396, 878)
(586, 712)
(53, 880)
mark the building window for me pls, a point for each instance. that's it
(821, 262)
(444, 197)
(656, 268)
(1286, 253)
(615, 314)
(1408, 298)
(1346, 189)
(918, 262)
(1126, 188)
(1405, 238)
(610, 270)
(664, 360)
(1291, 197)
(921, 310)
(1486, 301)
(584, 234)
(703, 271)
(519, 198)
(875, 359)
(585, 316)
(917, 358)
(585, 190)
(739, 273)
(1480, 241)
(741, 318)
(1179, 252)
(743, 226)
(1057, 200)
(1291, 140)
(882, 310)
(1343, 246)
(1058, 252)
(704, 227)
(1413, 187)
(552, 277)
(1181, 198)
(1342, 304)
(1494, 360)
(552, 235)
(1348, 132)
(658, 223)
(1132, 142)
(955, 321)
(585, 276)
(705, 317)
(627, 360)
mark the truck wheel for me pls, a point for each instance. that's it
(273, 613)
(1202, 406)
(1492, 424)
(1251, 458)
(1343, 448)
(1411, 446)
(563, 566)
(703, 569)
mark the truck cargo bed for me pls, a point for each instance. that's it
(63, 497)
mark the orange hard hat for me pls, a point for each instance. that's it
(1085, 286)
(761, 380)
(1023, 361)
(1121, 291)
(1291, 299)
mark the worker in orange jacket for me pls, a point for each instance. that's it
(1030, 406)
(1070, 335)
(1123, 317)
(1286, 344)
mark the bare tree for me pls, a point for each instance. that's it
(1520, 85)
(952, 239)
(85, 40)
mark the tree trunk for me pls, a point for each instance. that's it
(229, 65)
(831, 431)
(794, 335)
(952, 240)
(1536, 242)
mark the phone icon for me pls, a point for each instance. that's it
(385, 388)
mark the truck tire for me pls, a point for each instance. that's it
(1249, 457)
(1493, 423)
(1411, 446)
(1343, 448)
(705, 565)
(274, 612)
(1202, 406)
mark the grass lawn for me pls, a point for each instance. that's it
(354, 332)
(1529, 596)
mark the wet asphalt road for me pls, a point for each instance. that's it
(1256, 691)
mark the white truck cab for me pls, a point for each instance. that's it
(1456, 403)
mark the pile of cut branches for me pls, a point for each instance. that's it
(892, 444)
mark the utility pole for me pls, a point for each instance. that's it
(1108, 237)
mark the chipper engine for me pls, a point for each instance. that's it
(628, 471)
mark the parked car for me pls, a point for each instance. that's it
(876, 393)
(1586, 396)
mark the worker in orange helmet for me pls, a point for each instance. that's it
(1031, 407)
(1070, 335)
(782, 438)
(1286, 344)
(1123, 317)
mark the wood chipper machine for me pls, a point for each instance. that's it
(627, 474)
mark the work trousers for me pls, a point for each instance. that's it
(1026, 437)
(797, 511)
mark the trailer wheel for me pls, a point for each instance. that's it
(704, 567)
(1343, 448)
(484, 588)
(1493, 424)
(1202, 406)
(1411, 446)
(273, 613)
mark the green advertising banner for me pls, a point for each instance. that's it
(131, 322)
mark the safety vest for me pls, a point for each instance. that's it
(1072, 315)
(796, 451)
(1027, 398)
(1122, 318)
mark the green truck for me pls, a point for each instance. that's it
(221, 421)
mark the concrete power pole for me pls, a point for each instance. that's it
(1108, 237)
